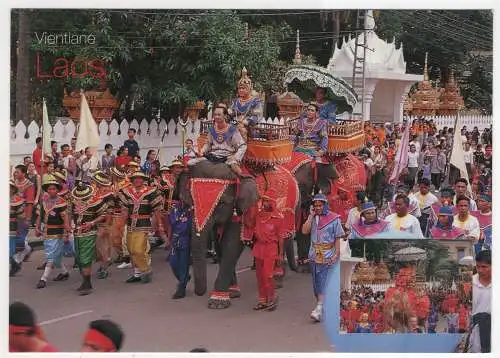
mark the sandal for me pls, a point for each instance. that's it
(61, 277)
(272, 305)
(260, 306)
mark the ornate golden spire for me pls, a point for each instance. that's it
(297, 60)
(426, 72)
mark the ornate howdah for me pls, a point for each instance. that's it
(345, 136)
(268, 145)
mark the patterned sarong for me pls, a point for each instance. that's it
(54, 251)
(85, 248)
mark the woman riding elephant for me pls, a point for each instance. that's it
(220, 194)
(313, 172)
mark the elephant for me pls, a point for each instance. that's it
(312, 178)
(234, 198)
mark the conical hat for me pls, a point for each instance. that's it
(101, 178)
(139, 174)
(82, 191)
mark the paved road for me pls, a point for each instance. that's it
(153, 322)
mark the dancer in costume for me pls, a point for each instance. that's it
(368, 224)
(312, 136)
(401, 220)
(103, 191)
(140, 203)
(425, 201)
(247, 109)
(16, 216)
(484, 216)
(88, 209)
(269, 237)
(444, 229)
(326, 231)
(119, 227)
(180, 224)
(27, 192)
(53, 224)
(224, 143)
(355, 213)
(327, 109)
(465, 221)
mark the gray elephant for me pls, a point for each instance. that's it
(235, 199)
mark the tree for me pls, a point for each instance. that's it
(22, 69)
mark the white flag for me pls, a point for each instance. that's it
(457, 154)
(88, 134)
(401, 159)
(46, 130)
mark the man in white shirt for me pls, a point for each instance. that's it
(465, 221)
(88, 164)
(402, 221)
(416, 143)
(469, 159)
(480, 336)
(414, 208)
(413, 157)
(355, 213)
(425, 201)
(461, 190)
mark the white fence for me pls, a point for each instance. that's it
(149, 135)
(22, 138)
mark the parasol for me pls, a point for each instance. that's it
(467, 261)
(315, 76)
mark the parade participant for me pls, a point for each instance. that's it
(414, 207)
(444, 229)
(165, 184)
(224, 143)
(465, 221)
(480, 334)
(88, 209)
(326, 231)
(484, 216)
(25, 334)
(312, 136)
(132, 167)
(401, 220)
(88, 164)
(27, 191)
(461, 189)
(327, 109)
(179, 236)
(53, 213)
(368, 224)
(16, 216)
(139, 204)
(247, 108)
(269, 236)
(463, 318)
(103, 336)
(422, 306)
(119, 228)
(425, 201)
(103, 191)
(61, 179)
(355, 213)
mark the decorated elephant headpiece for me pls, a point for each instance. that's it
(321, 197)
(245, 81)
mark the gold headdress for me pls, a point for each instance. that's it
(245, 81)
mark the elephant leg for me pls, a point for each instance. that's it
(231, 247)
(303, 245)
(234, 289)
(290, 254)
(199, 256)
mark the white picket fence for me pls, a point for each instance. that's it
(22, 138)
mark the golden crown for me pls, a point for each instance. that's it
(245, 81)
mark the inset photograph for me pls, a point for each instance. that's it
(406, 286)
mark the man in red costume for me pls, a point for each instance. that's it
(269, 236)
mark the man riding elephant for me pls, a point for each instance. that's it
(313, 172)
(220, 193)
(224, 143)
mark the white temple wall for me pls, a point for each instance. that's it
(382, 105)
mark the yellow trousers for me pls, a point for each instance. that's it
(138, 248)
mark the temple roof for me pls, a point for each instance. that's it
(381, 56)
